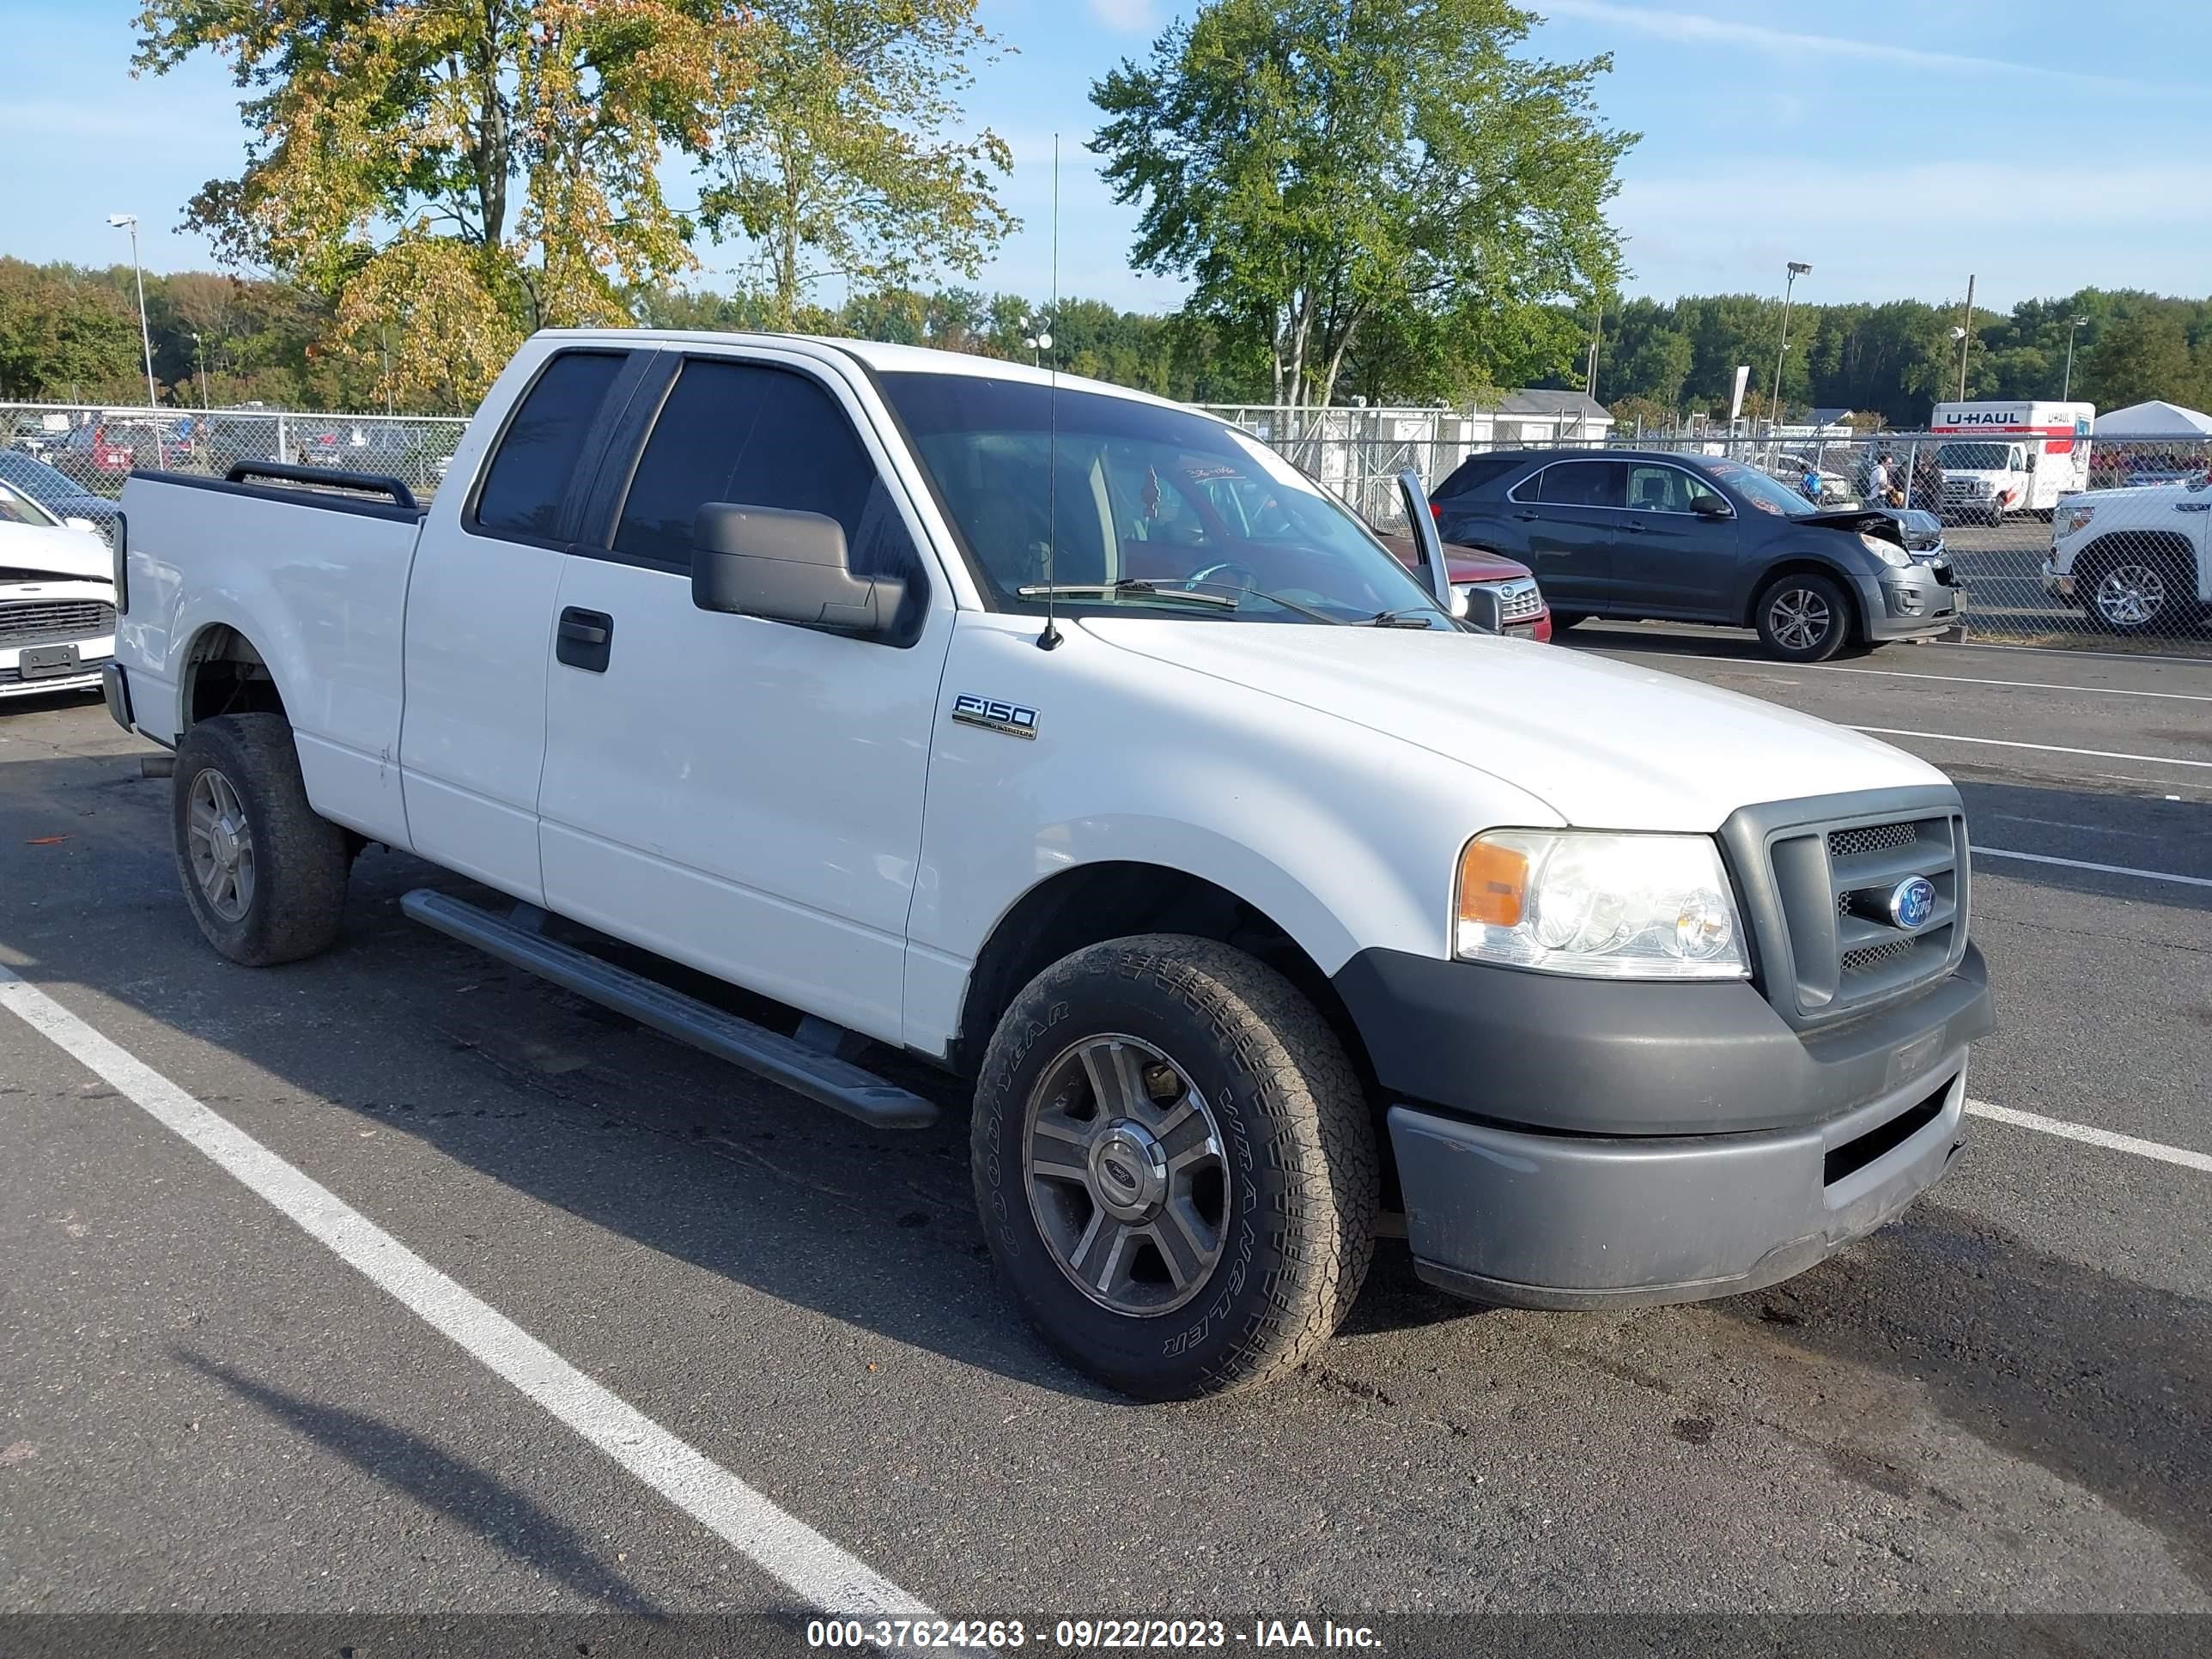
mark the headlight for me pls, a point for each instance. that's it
(1607, 906)
(1888, 551)
(2072, 520)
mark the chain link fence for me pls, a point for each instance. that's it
(81, 453)
(2057, 541)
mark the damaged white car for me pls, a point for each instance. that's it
(57, 601)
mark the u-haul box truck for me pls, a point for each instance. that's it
(2004, 457)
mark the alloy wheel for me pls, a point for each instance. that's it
(1125, 1177)
(1799, 619)
(221, 844)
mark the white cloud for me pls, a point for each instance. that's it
(1805, 51)
(1128, 16)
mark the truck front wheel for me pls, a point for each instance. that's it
(265, 877)
(1176, 1166)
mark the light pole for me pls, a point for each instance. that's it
(199, 356)
(130, 221)
(1963, 338)
(2072, 329)
(1797, 268)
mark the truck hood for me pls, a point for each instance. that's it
(45, 551)
(1606, 744)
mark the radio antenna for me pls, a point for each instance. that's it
(1050, 638)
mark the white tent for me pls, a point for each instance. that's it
(2154, 419)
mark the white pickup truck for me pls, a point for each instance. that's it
(956, 710)
(2137, 560)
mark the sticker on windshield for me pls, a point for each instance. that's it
(993, 715)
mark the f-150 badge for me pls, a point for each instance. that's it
(989, 712)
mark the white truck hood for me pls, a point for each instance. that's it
(54, 551)
(1607, 744)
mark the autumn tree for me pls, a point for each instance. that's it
(843, 157)
(452, 174)
(1325, 171)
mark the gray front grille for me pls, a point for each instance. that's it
(1833, 887)
(1870, 838)
(1868, 957)
(53, 621)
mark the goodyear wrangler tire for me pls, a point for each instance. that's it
(265, 877)
(1176, 1166)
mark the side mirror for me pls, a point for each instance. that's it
(785, 566)
(1711, 507)
(1480, 608)
(75, 523)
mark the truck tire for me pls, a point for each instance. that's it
(264, 877)
(1176, 1166)
(1803, 618)
(2128, 590)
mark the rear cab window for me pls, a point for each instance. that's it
(530, 482)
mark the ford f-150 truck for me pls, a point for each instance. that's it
(1261, 900)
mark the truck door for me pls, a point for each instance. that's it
(480, 622)
(743, 796)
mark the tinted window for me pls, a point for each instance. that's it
(1475, 471)
(1655, 488)
(1583, 483)
(528, 479)
(759, 437)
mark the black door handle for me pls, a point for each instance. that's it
(584, 639)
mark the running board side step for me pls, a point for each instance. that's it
(808, 1071)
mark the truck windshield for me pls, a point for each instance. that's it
(1972, 458)
(1140, 501)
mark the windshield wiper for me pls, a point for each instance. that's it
(1411, 616)
(1287, 605)
(1133, 585)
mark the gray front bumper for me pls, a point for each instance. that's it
(1901, 603)
(1586, 1221)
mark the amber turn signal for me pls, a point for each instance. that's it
(1493, 884)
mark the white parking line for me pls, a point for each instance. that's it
(1760, 664)
(2081, 1132)
(806, 1563)
(2047, 748)
(1981, 851)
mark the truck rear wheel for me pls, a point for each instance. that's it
(265, 877)
(1176, 1166)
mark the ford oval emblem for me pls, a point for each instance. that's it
(1911, 902)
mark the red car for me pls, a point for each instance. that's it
(1519, 599)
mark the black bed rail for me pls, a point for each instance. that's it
(327, 477)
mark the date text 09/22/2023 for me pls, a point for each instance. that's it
(1088, 1635)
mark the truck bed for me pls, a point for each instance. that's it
(312, 568)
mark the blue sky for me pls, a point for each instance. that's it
(1896, 145)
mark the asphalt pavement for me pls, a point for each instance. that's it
(2002, 1403)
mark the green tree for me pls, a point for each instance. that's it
(1325, 171)
(454, 173)
(2140, 356)
(837, 159)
